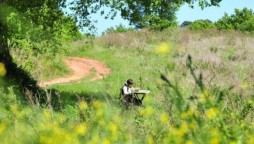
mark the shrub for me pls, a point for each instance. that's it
(242, 20)
(118, 29)
(201, 25)
(154, 22)
(186, 23)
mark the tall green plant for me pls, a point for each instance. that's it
(201, 25)
(242, 20)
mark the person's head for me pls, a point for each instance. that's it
(130, 82)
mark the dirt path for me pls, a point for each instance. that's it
(81, 68)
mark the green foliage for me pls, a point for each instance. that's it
(186, 23)
(201, 25)
(156, 23)
(117, 29)
(38, 33)
(133, 10)
(152, 14)
(181, 108)
(242, 20)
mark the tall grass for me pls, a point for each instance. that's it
(201, 87)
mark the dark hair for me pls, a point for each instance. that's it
(130, 81)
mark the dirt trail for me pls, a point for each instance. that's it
(81, 67)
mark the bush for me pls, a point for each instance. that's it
(186, 23)
(118, 29)
(201, 25)
(242, 20)
(156, 23)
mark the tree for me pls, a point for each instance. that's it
(201, 25)
(242, 20)
(38, 21)
(186, 24)
(157, 14)
(140, 13)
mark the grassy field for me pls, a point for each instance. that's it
(201, 87)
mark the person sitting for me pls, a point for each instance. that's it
(127, 93)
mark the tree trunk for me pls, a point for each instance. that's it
(14, 73)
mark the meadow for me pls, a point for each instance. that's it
(201, 85)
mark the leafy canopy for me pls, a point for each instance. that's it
(201, 25)
(140, 13)
(242, 20)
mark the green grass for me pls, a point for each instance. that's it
(144, 67)
(179, 109)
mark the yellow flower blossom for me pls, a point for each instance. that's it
(183, 129)
(164, 118)
(215, 140)
(96, 104)
(83, 105)
(2, 127)
(189, 142)
(2, 70)
(114, 130)
(149, 111)
(211, 113)
(81, 129)
(244, 85)
(100, 112)
(187, 114)
(163, 48)
(204, 96)
(150, 140)
(250, 140)
(141, 112)
(106, 141)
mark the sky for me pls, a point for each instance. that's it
(185, 13)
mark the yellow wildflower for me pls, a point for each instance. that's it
(163, 48)
(204, 96)
(2, 127)
(186, 114)
(100, 112)
(211, 113)
(114, 130)
(189, 142)
(96, 104)
(81, 129)
(164, 118)
(215, 140)
(2, 70)
(149, 111)
(150, 140)
(183, 129)
(141, 112)
(83, 105)
(250, 139)
(244, 85)
(106, 141)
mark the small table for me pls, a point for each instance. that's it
(143, 92)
